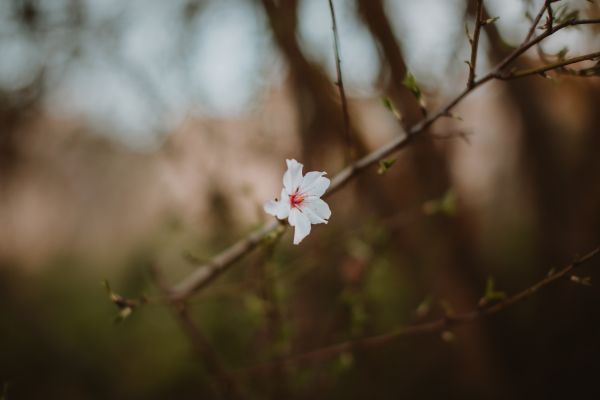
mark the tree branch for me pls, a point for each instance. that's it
(530, 43)
(221, 262)
(340, 85)
(224, 383)
(475, 43)
(536, 20)
(431, 327)
(541, 70)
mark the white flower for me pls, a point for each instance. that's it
(300, 200)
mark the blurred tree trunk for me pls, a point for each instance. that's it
(375, 17)
(321, 119)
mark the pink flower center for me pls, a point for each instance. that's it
(296, 199)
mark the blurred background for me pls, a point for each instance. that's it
(149, 132)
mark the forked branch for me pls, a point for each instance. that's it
(220, 263)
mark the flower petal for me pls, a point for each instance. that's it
(271, 207)
(292, 178)
(278, 208)
(300, 223)
(312, 216)
(309, 179)
(318, 187)
(284, 206)
(317, 207)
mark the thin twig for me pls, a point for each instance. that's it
(206, 273)
(475, 43)
(542, 70)
(431, 327)
(529, 44)
(548, 25)
(536, 20)
(340, 85)
(550, 21)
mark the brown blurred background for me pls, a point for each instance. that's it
(142, 132)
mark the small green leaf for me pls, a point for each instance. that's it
(125, 305)
(123, 314)
(424, 308)
(255, 305)
(448, 205)
(586, 280)
(562, 54)
(345, 361)
(272, 237)
(106, 286)
(490, 20)
(448, 337)
(454, 115)
(468, 34)
(445, 205)
(447, 307)
(387, 102)
(491, 294)
(564, 14)
(411, 84)
(384, 165)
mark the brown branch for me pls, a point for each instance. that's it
(530, 43)
(224, 383)
(340, 85)
(205, 274)
(536, 21)
(431, 327)
(546, 68)
(274, 328)
(220, 263)
(475, 43)
(550, 18)
(548, 25)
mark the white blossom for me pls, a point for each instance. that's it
(300, 201)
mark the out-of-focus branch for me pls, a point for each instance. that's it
(350, 153)
(274, 326)
(435, 326)
(530, 43)
(546, 68)
(537, 19)
(475, 43)
(220, 263)
(224, 383)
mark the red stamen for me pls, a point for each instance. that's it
(296, 199)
